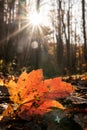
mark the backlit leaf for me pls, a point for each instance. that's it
(36, 95)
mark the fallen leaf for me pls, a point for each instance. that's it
(36, 95)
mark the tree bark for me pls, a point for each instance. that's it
(84, 30)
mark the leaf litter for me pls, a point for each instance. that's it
(38, 98)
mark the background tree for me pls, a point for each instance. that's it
(84, 29)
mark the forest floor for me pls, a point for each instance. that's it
(76, 117)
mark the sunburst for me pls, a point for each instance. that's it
(32, 21)
(36, 19)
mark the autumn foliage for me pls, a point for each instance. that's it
(34, 95)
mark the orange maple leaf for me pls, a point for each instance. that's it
(36, 95)
(30, 109)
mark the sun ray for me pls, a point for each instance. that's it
(32, 21)
(15, 33)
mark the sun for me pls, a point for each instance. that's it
(36, 19)
(39, 19)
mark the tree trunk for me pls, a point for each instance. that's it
(2, 28)
(59, 39)
(68, 40)
(38, 5)
(1, 19)
(84, 30)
